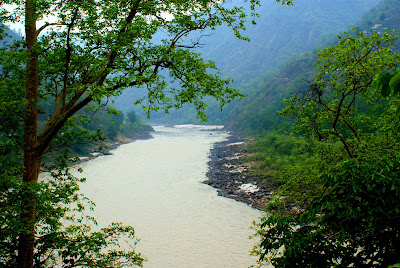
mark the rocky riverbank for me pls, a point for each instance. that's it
(232, 175)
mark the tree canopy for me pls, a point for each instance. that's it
(342, 208)
(79, 52)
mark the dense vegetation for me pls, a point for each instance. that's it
(61, 223)
(333, 149)
(338, 203)
(83, 53)
(256, 114)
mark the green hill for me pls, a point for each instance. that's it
(257, 113)
(281, 32)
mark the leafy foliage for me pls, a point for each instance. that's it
(77, 247)
(255, 114)
(387, 83)
(274, 154)
(354, 222)
(63, 236)
(344, 211)
(332, 106)
(85, 52)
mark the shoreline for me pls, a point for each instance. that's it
(109, 145)
(233, 177)
(227, 171)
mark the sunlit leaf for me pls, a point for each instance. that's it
(383, 84)
(394, 84)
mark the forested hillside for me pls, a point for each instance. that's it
(281, 32)
(332, 147)
(385, 14)
(257, 113)
(320, 125)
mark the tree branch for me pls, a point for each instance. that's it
(55, 124)
(334, 125)
(47, 25)
(60, 100)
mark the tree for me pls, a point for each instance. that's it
(334, 106)
(347, 211)
(132, 117)
(90, 50)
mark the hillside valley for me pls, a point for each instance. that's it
(281, 33)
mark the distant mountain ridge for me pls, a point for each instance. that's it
(281, 32)
(10, 35)
(257, 114)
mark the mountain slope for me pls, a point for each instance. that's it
(257, 113)
(280, 33)
(9, 35)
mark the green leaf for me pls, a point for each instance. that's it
(375, 80)
(398, 127)
(394, 84)
(383, 84)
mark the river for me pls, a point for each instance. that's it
(154, 185)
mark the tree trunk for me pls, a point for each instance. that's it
(32, 158)
(27, 236)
